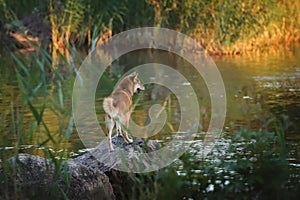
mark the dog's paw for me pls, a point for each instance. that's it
(118, 133)
(130, 141)
(111, 149)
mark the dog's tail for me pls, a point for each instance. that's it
(108, 106)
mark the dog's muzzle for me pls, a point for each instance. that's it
(139, 90)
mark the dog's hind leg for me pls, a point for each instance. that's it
(110, 126)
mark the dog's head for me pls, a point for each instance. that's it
(137, 85)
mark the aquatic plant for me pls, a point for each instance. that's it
(249, 164)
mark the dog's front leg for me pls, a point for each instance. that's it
(124, 133)
(126, 137)
(126, 123)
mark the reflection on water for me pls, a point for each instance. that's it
(256, 86)
(262, 85)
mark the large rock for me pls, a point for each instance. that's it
(110, 162)
(101, 158)
(31, 176)
(85, 177)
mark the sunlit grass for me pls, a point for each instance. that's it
(221, 27)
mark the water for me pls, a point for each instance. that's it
(270, 83)
(258, 87)
(254, 85)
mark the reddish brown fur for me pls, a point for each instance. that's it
(117, 106)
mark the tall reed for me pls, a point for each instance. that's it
(226, 27)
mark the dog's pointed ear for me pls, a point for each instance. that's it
(133, 75)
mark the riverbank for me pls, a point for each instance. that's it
(222, 27)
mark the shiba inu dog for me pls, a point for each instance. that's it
(118, 106)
